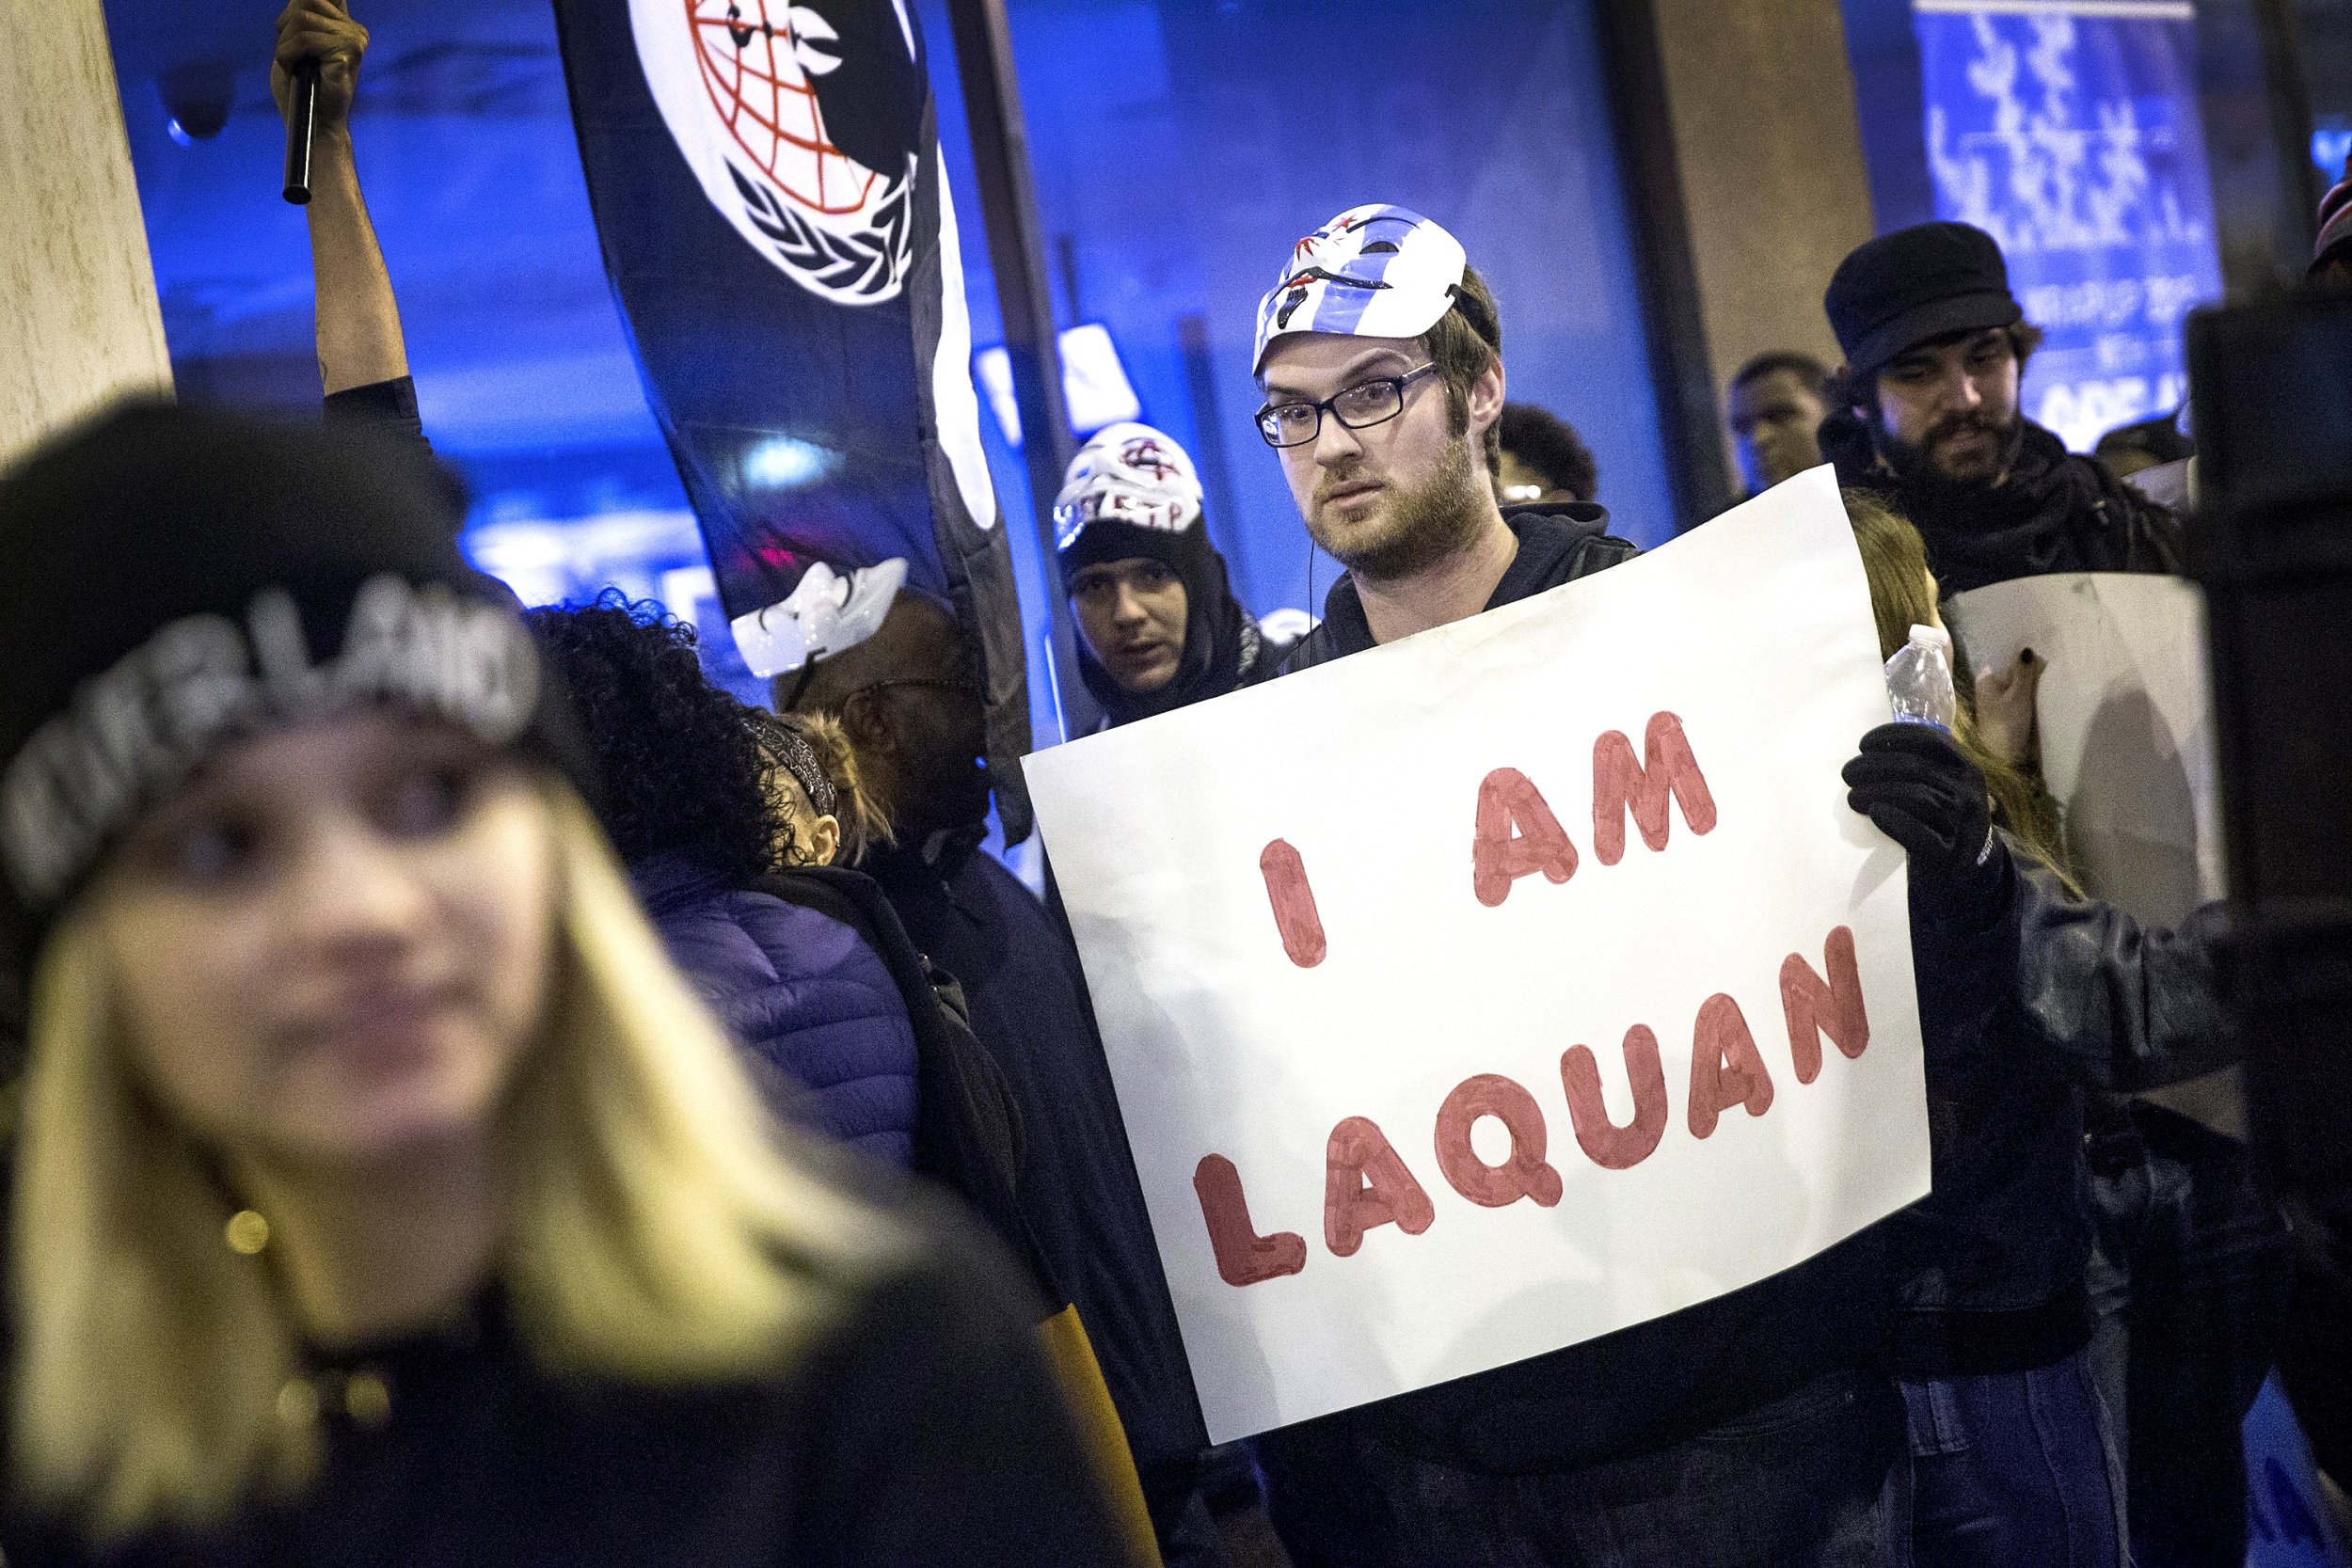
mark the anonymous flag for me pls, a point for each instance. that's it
(775, 219)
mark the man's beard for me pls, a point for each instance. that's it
(927, 780)
(1916, 464)
(1424, 526)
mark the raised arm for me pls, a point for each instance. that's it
(358, 321)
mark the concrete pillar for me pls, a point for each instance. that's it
(1767, 149)
(79, 324)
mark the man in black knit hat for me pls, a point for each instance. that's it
(1925, 411)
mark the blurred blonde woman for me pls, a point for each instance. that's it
(382, 1194)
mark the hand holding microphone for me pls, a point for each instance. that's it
(315, 73)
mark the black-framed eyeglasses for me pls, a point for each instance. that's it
(1367, 403)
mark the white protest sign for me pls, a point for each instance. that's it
(2125, 715)
(2125, 712)
(1400, 962)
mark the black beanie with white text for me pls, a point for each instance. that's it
(185, 577)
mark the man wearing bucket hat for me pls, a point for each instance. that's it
(1750, 1429)
(1158, 626)
(1925, 412)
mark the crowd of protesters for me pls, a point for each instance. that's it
(491, 1095)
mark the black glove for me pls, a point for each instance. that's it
(1925, 795)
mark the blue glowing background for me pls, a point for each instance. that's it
(2076, 141)
(1178, 149)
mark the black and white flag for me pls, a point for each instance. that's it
(775, 221)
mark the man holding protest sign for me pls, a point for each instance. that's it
(1752, 1427)
(1390, 480)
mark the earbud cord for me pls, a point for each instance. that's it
(1310, 578)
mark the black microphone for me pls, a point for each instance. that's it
(302, 111)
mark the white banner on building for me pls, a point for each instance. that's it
(1510, 984)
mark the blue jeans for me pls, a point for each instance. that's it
(2013, 1467)
(1812, 1481)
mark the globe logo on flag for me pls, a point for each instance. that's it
(803, 124)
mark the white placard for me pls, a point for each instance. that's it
(1251, 1062)
(2125, 712)
(2125, 715)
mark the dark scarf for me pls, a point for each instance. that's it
(1223, 646)
(2055, 512)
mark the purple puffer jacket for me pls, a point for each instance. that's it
(802, 992)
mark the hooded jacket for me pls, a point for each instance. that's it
(1655, 1384)
(799, 991)
(2055, 512)
(1558, 543)
(1225, 648)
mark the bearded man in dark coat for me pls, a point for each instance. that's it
(1925, 412)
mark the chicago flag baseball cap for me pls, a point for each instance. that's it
(1371, 272)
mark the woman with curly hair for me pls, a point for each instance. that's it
(825, 813)
(689, 788)
(806, 961)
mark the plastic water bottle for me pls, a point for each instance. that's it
(1919, 679)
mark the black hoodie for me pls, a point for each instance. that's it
(1558, 543)
(1657, 1382)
